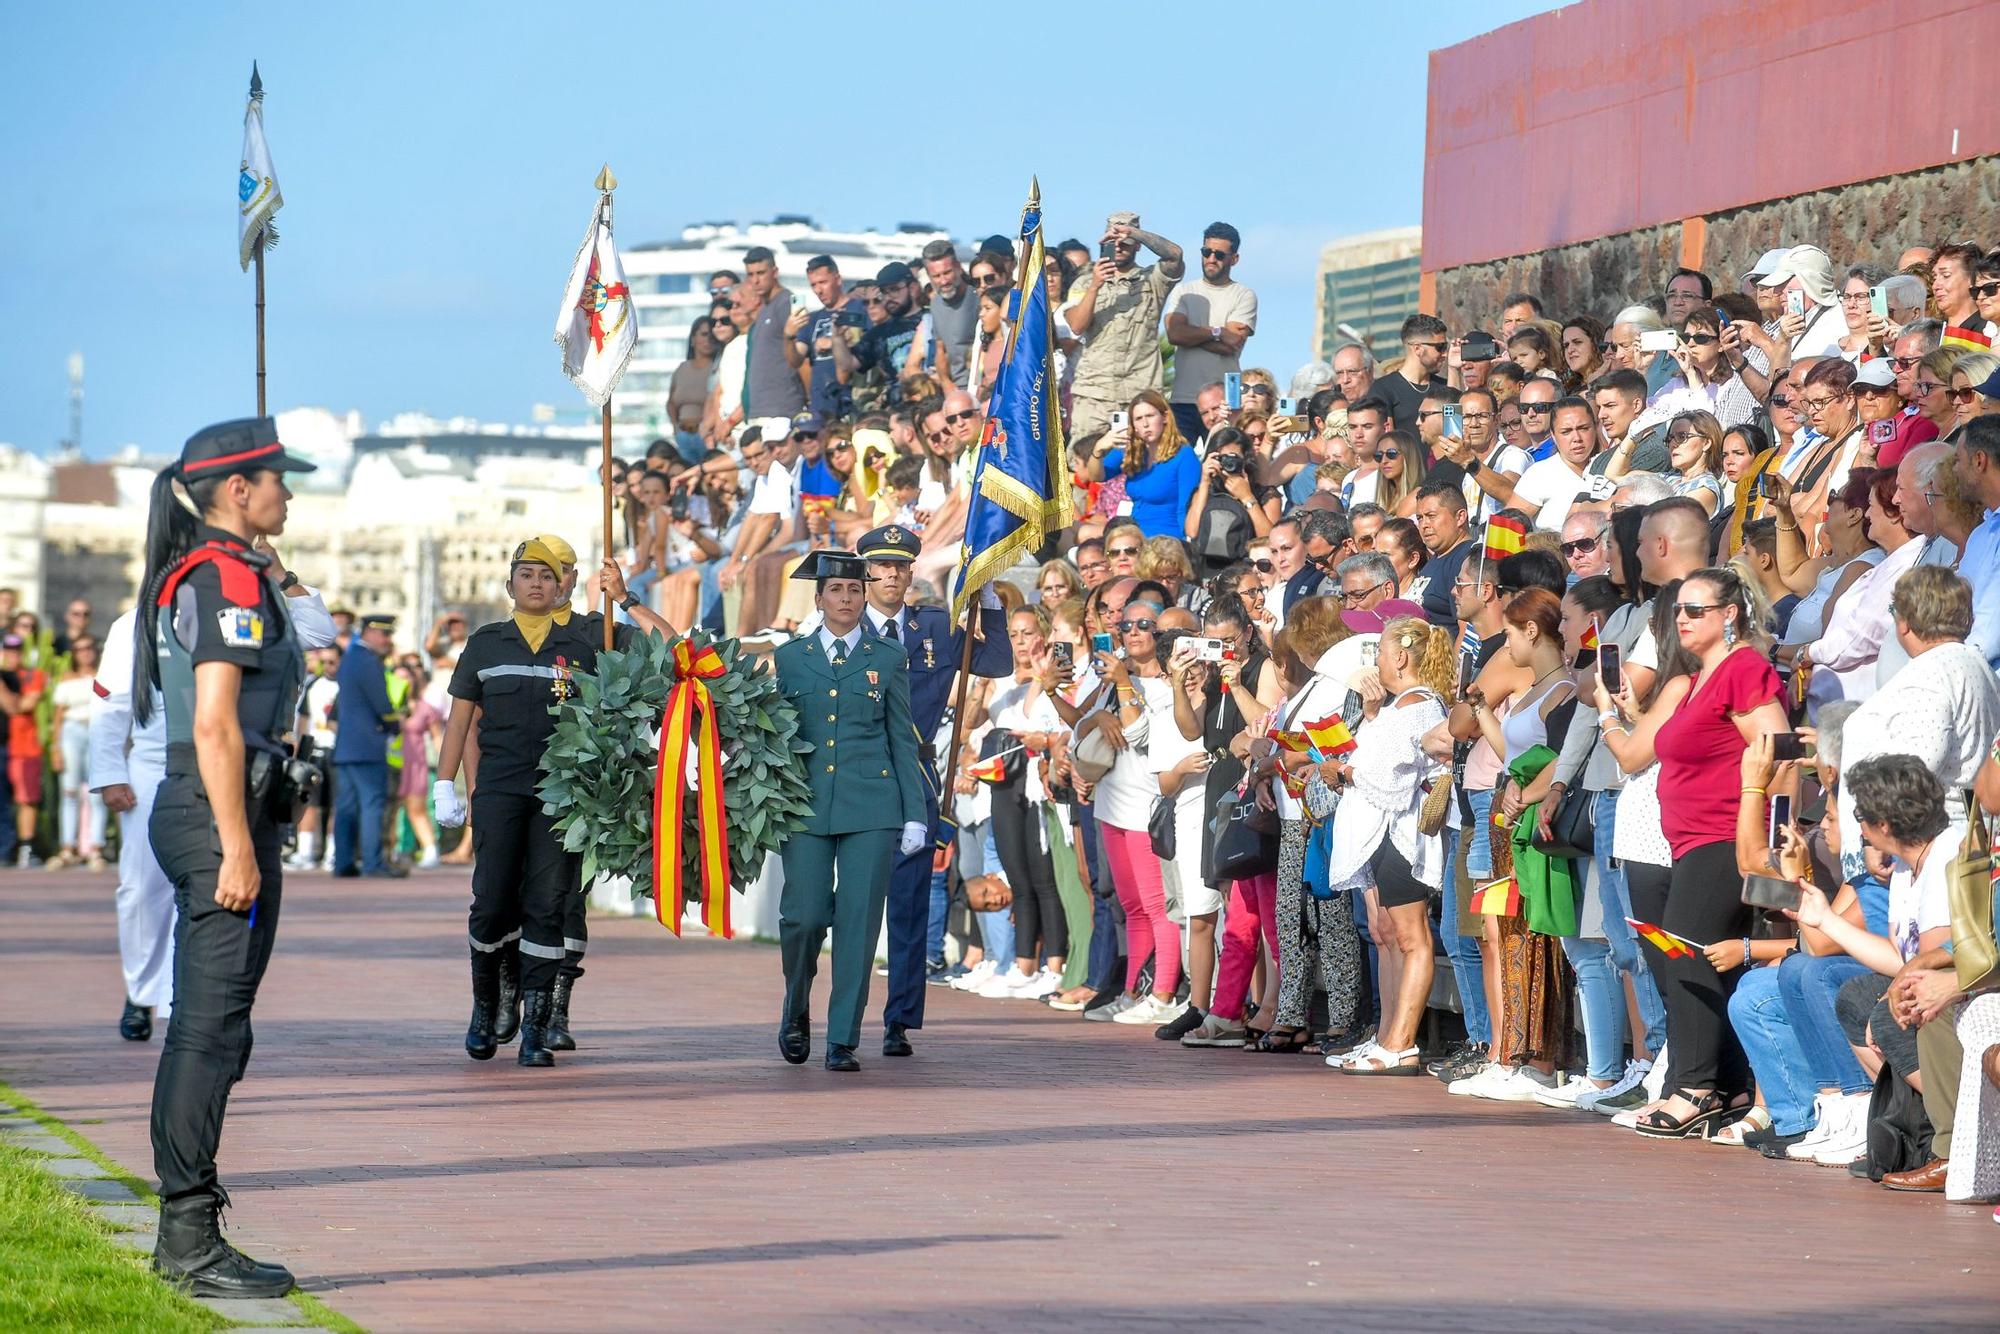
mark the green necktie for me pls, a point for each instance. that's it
(839, 652)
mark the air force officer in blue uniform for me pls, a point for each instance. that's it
(933, 646)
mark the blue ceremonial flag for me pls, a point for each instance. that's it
(1020, 488)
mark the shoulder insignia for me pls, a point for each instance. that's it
(241, 627)
(240, 579)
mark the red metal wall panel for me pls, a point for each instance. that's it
(1611, 115)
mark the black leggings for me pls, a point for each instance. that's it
(1017, 836)
(1701, 898)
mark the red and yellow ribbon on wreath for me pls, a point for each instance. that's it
(691, 719)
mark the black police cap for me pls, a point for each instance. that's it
(247, 444)
(833, 565)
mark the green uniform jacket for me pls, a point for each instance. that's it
(863, 768)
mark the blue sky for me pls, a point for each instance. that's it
(436, 162)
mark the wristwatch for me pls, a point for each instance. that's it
(286, 584)
(1472, 467)
(629, 601)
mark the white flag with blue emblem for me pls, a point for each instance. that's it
(258, 197)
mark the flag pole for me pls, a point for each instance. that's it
(1034, 205)
(257, 95)
(606, 183)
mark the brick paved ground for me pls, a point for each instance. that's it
(1024, 1169)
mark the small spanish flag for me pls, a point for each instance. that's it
(1504, 537)
(1502, 898)
(1296, 742)
(989, 770)
(1589, 640)
(1330, 736)
(1666, 942)
(1970, 339)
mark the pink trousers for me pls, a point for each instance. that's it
(1253, 906)
(1135, 872)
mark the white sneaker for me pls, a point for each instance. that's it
(301, 862)
(1826, 1108)
(1567, 1094)
(1635, 1074)
(1001, 986)
(1486, 1076)
(1848, 1141)
(982, 973)
(1216, 1031)
(1146, 1010)
(1108, 1013)
(1336, 1060)
(1043, 983)
(429, 861)
(1520, 1086)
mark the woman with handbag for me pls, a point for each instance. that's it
(1136, 696)
(1534, 1038)
(1566, 826)
(1315, 932)
(1024, 722)
(1378, 828)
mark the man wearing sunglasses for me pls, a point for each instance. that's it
(1537, 402)
(1209, 319)
(1115, 309)
(1424, 347)
(881, 357)
(1585, 548)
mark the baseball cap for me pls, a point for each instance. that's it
(807, 421)
(535, 551)
(246, 444)
(562, 550)
(1878, 372)
(1767, 262)
(1990, 386)
(895, 271)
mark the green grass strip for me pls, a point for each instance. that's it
(59, 1268)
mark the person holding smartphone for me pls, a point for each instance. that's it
(1115, 310)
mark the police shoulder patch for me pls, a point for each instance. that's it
(241, 627)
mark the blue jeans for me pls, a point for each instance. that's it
(1618, 933)
(360, 792)
(940, 909)
(996, 929)
(1602, 998)
(1479, 856)
(1468, 966)
(1758, 1012)
(1809, 984)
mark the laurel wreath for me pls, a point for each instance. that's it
(598, 770)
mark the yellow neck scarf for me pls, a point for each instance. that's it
(534, 628)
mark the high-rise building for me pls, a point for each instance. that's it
(1368, 283)
(669, 281)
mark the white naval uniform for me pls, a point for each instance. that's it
(122, 752)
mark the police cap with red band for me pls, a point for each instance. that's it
(244, 445)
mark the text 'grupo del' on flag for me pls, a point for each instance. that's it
(1020, 488)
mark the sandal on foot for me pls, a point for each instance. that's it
(1288, 1042)
(1379, 1060)
(1710, 1110)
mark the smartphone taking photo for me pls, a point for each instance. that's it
(1610, 669)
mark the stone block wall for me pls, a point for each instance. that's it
(1871, 221)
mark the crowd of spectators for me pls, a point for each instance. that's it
(1316, 741)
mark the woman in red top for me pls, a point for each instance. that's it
(1699, 734)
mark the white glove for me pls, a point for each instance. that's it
(444, 797)
(915, 835)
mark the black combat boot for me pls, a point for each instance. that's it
(190, 1252)
(508, 1021)
(534, 1029)
(558, 1037)
(480, 1043)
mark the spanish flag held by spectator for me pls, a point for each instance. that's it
(1504, 537)
(1663, 940)
(1502, 898)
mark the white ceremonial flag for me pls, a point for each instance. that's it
(258, 197)
(595, 327)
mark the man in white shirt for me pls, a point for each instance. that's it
(1548, 489)
(1208, 321)
(765, 541)
(1480, 411)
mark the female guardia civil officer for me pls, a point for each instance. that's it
(852, 693)
(216, 640)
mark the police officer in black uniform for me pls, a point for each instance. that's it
(510, 673)
(216, 640)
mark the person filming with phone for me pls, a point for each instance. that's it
(1115, 309)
